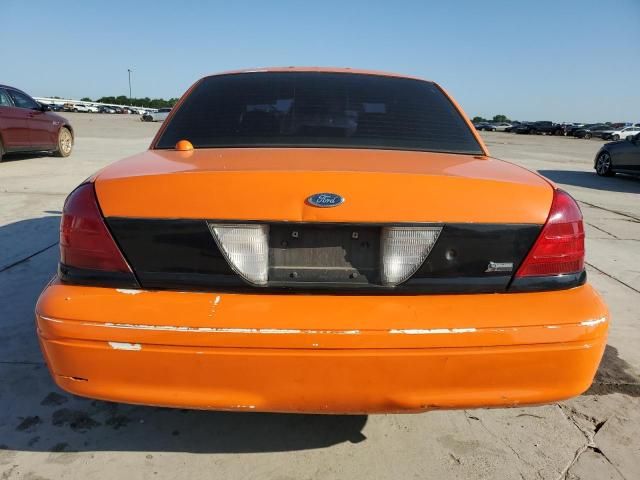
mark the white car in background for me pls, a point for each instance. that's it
(92, 108)
(158, 116)
(621, 133)
(501, 127)
(81, 107)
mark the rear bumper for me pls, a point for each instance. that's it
(318, 353)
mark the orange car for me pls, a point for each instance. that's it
(320, 240)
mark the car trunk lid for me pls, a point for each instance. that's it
(273, 184)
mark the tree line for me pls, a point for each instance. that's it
(136, 102)
(496, 119)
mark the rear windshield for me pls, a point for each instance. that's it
(314, 109)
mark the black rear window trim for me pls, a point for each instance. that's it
(327, 147)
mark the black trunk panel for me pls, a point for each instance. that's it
(169, 246)
(182, 254)
(465, 250)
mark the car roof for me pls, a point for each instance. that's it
(318, 69)
(14, 88)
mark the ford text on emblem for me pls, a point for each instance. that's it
(325, 200)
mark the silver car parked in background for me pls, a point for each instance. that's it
(158, 116)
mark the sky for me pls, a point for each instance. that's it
(572, 60)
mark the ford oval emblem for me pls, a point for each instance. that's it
(325, 200)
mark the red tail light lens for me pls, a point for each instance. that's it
(560, 247)
(85, 241)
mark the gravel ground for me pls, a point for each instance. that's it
(48, 434)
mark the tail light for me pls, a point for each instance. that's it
(560, 247)
(246, 248)
(404, 249)
(85, 241)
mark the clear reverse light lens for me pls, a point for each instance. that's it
(403, 251)
(246, 248)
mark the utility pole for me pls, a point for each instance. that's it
(129, 70)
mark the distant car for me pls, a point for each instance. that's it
(620, 133)
(622, 156)
(27, 126)
(158, 116)
(117, 109)
(501, 127)
(493, 127)
(524, 127)
(106, 109)
(592, 131)
(513, 126)
(92, 108)
(80, 107)
(535, 128)
(55, 107)
(570, 129)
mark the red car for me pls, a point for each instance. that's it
(27, 126)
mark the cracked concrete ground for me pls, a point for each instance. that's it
(48, 434)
